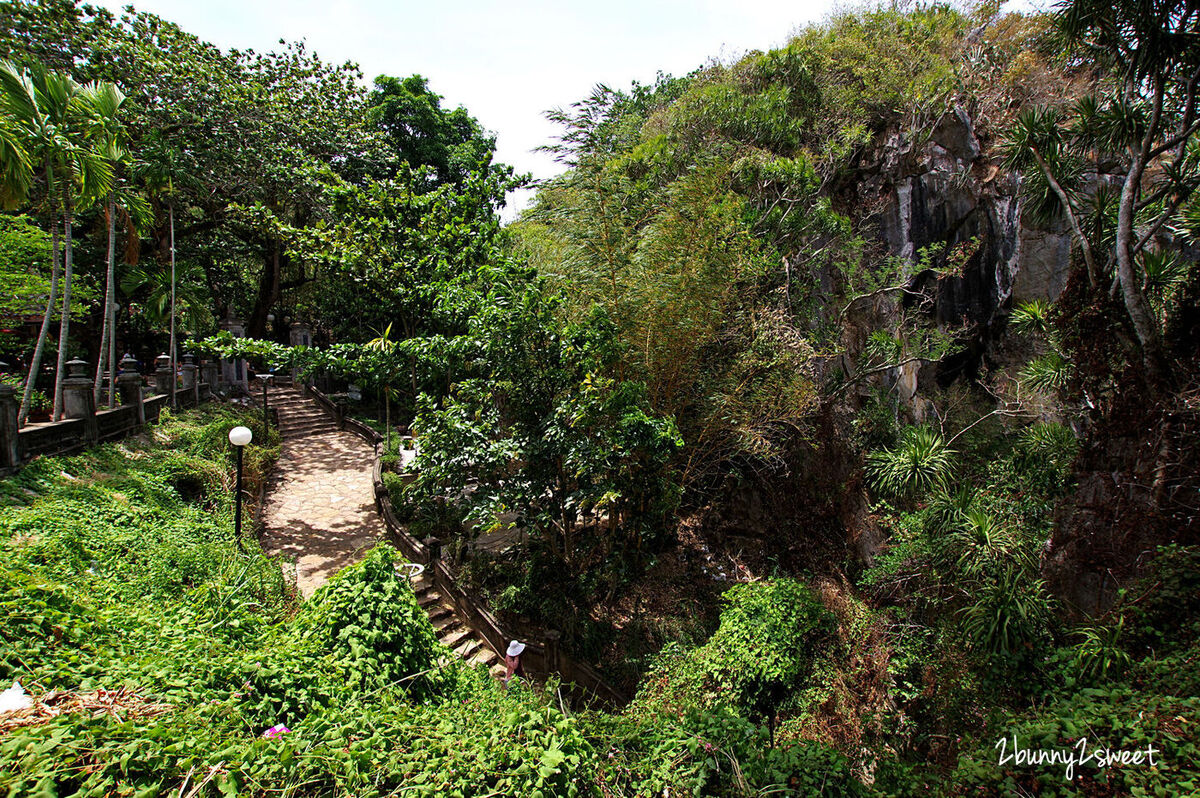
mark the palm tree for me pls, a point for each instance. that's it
(385, 372)
(16, 170)
(87, 176)
(108, 103)
(50, 115)
(152, 289)
(161, 174)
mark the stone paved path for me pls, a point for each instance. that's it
(320, 506)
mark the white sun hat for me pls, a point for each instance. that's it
(515, 648)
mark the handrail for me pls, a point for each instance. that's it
(547, 658)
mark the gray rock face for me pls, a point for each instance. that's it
(944, 190)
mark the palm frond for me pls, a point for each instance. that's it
(920, 463)
(1047, 373)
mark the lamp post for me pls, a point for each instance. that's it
(265, 378)
(239, 437)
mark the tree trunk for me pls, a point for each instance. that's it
(107, 346)
(64, 330)
(1145, 324)
(268, 294)
(1085, 246)
(35, 363)
(171, 215)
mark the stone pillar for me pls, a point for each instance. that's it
(164, 380)
(10, 449)
(552, 659)
(210, 372)
(433, 547)
(129, 381)
(299, 335)
(234, 372)
(190, 383)
(78, 399)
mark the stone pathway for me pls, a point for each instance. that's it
(320, 506)
(320, 513)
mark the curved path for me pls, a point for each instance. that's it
(320, 513)
(320, 506)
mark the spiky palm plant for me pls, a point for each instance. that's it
(985, 545)
(1008, 614)
(1048, 373)
(920, 463)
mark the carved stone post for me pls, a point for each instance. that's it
(10, 449)
(78, 399)
(211, 372)
(190, 383)
(164, 380)
(234, 372)
(552, 657)
(130, 382)
(299, 335)
(433, 548)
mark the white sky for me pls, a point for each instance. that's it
(507, 62)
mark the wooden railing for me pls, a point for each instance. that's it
(540, 657)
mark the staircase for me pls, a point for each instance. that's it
(299, 416)
(454, 634)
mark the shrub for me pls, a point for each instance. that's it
(758, 658)
(1117, 718)
(920, 463)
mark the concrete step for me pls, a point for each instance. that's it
(306, 426)
(452, 639)
(288, 423)
(467, 648)
(301, 412)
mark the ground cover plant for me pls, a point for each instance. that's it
(838, 401)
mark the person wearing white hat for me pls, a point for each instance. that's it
(512, 661)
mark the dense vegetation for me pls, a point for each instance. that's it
(955, 512)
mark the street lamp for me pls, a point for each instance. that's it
(265, 379)
(239, 437)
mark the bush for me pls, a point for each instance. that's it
(362, 631)
(758, 658)
(1118, 718)
(716, 752)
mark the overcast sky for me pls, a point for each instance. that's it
(506, 62)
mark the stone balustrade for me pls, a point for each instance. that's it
(83, 424)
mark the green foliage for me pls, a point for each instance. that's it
(1008, 615)
(715, 752)
(1031, 318)
(360, 633)
(920, 463)
(1047, 373)
(1099, 654)
(451, 143)
(118, 573)
(539, 426)
(759, 657)
(1116, 718)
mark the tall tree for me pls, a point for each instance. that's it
(1138, 137)
(421, 132)
(108, 103)
(86, 175)
(50, 114)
